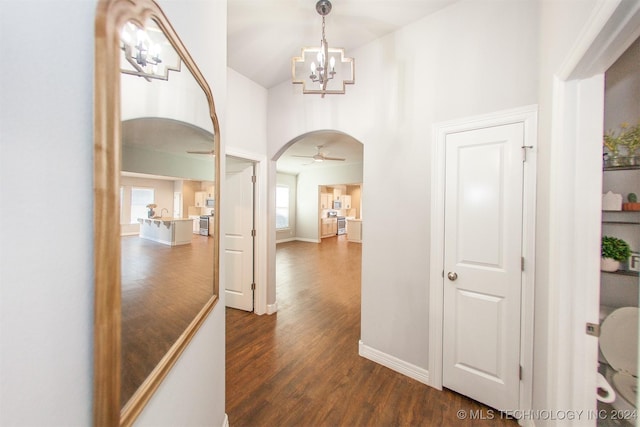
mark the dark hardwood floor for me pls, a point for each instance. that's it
(300, 366)
(163, 288)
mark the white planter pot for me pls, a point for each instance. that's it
(608, 264)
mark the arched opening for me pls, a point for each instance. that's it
(318, 204)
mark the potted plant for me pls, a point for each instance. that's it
(627, 137)
(631, 140)
(614, 251)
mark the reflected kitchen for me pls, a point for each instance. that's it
(166, 210)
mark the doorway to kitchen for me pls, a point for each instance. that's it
(314, 167)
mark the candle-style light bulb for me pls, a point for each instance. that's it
(332, 62)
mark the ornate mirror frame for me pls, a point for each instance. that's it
(111, 15)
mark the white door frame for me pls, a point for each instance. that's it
(576, 173)
(528, 116)
(262, 230)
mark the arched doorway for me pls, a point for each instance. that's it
(309, 167)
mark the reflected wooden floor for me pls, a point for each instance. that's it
(300, 366)
(163, 288)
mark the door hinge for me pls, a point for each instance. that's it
(524, 152)
(521, 263)
(253, 233)
(593, 329)
(253, 179)
(253, 286)
(520, 373)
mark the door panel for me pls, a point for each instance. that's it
(483, 247)
(238, 239)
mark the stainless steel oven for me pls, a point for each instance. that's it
(342, 225)
(204, 225)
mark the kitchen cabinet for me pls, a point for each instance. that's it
(196, 223)
(345, 200)
(200, 198)
(326, 200)
(211, 225)
(209, 194)
(328, 227)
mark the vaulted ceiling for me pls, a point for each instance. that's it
(263, 36)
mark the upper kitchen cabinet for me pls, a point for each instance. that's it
(345, 201)
(200, 198)
(326, 201)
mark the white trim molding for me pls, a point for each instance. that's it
(576, 171)
(262, 227)
(528, 116)
(225, 422)
(302, 239)
(272, 308)
(393, 363)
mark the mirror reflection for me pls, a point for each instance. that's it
(167, 201)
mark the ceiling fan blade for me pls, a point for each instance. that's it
(306, 157)
(333, 158)
(200, 152)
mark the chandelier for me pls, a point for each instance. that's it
(321, 78)
(143, 52)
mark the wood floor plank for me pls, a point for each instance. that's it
(163, 289)
(300, 366)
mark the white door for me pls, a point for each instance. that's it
(482, 264)
(238, 239)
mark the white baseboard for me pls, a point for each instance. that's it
(288, 239)
(392, 362)
(272, 308)
(302, 239)
(225, 423)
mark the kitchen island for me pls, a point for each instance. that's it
(168, 231)
(354, 230)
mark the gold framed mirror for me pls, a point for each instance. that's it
(156, 145)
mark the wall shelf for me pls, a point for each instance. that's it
(624, 273)
(621, 168)
(621, 217)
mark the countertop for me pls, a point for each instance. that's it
(164, 219)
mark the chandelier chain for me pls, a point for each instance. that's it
(323, 37)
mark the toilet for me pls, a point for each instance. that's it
(619, 356)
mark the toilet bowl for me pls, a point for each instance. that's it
(619, 348)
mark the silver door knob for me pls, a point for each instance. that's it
(452, 276)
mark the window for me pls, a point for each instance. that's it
(140, 198)
(282, 207)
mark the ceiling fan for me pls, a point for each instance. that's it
(320, 156)
(210, 152)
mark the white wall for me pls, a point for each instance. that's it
(46, 294)
(46, 169)
(246, 124)
(471, 58)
